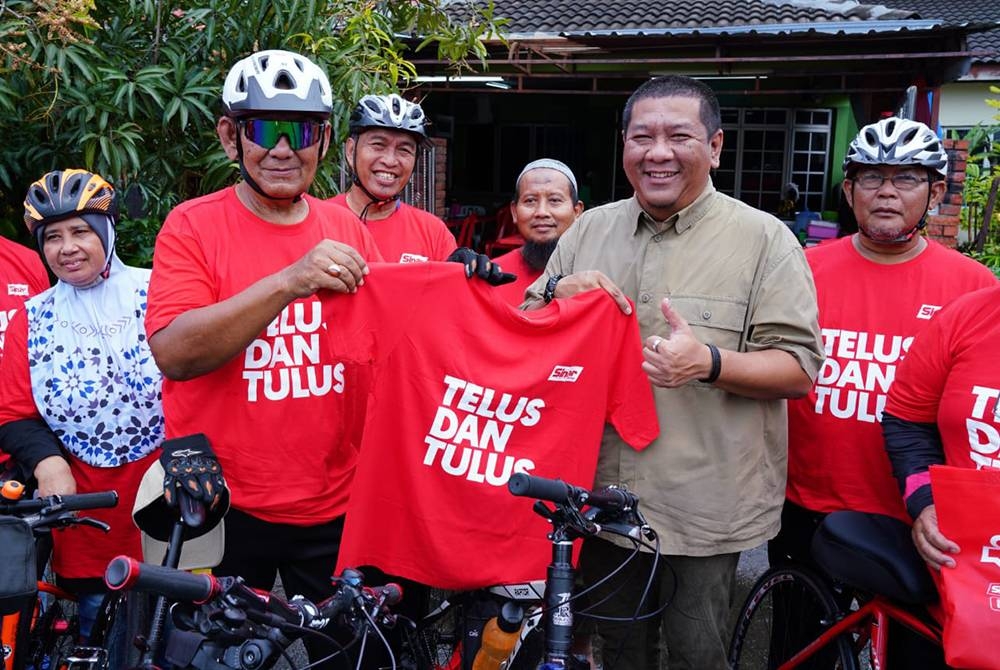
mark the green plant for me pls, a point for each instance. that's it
(982, 168)
(989, 256)
(129, 88)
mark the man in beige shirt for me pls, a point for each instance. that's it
(727, 307)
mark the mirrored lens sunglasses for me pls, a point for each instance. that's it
(267, 133)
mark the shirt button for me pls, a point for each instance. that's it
(706, 315)
(657, 237)
(645, 297)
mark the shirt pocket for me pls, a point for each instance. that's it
(714, 320)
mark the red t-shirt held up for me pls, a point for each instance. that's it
(466, 391)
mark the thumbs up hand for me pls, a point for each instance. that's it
(678, 358)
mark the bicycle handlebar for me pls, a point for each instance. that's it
(559, 492)
(55, 504)
(124, 573)
(273, 622)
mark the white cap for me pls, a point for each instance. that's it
(552, 164)
(151, 514)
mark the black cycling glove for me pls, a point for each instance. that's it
(481, 266)
(190, 470)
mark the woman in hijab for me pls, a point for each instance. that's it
(79, 392)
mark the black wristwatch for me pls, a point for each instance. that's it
(550, 288)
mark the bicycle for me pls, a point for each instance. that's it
(220, 622)
(546, 636)
(40, 625)
(872, 575)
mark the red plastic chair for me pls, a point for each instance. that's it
(507, 236)
(464, 230)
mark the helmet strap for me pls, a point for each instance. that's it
(904, 238)
(356, 181)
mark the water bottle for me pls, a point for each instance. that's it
(499, 637)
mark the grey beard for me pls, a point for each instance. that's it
(536, 254)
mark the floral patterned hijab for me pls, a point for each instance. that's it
(92, 375)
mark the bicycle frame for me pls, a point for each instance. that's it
(16, 636)
(871, 621)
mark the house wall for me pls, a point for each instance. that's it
(943, 225)
(963, 104)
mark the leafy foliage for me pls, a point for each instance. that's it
(982, 168)
(129, 88)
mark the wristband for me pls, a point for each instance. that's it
(716, 365)
(550, 288)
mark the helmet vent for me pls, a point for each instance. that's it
(908, 137)
(284, 81)
(40, 195)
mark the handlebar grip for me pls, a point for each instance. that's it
(559, 492)
(82, 501)
(124, 572)
(76, 502)
(529, 486)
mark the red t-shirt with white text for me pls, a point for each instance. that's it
(951, 377)
(467, 391)
(408, 235)
(274, 414)
(22, 275)
(868, 313)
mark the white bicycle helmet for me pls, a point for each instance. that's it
(388, 111)
(276, 81)
(895, 141)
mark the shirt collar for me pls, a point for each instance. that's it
(682, 220)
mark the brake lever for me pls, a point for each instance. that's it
(93, 523)
(543, 510)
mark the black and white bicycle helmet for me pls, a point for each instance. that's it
(276, 81)
(388, 111)
(895, 141)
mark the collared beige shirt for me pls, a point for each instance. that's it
(714, 480)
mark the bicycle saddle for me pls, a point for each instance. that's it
(874, 553)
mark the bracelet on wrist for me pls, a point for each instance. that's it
(716, 369)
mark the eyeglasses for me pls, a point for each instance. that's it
(266, 133)
(903, 182)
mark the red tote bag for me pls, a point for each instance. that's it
(968, 511)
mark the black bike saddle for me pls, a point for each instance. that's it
(874, 553)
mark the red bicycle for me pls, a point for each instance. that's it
(796, 618)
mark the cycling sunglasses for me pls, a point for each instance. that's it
(267, 133)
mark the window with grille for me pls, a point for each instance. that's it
(764, 149)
